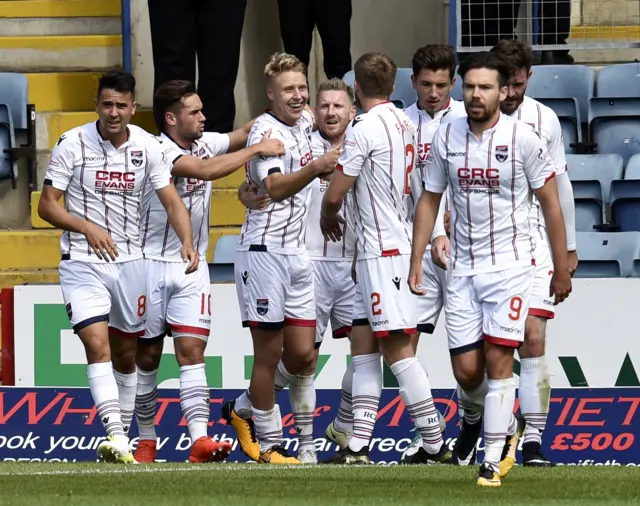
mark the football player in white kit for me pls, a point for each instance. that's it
(491, 163)
(331, 263)
(534, 390)
(101, 169)
(180, 305)
(274, 278)
(434, 69)
(379, 155)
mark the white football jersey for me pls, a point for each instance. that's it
(280, 228)
(104, 185)
(159, 240)
(318, 247)
(380, 150)
(426, 127)
(490, 181)
(546, 123)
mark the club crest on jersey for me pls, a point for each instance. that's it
(137, 157)
(502, 153)
(262, 306)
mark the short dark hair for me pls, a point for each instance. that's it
(168, 96)
(117, 80)
(516, 53)
(486, 60)
(375, 74)
(434, 57)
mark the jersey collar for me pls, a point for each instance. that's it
(105, 141)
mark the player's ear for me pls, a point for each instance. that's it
(135, 107)
(530, 74)
(414, 82)
(352, 112)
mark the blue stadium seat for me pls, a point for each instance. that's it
(625, 204)
(620, 80)
(614, 125)
(16, 115)
(632, 170)
(563, 81)
(403, 88)
(604, 255)
(224, 253)
(568, 112)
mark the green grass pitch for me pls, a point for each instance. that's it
(229, 484)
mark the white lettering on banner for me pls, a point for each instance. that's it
(598, 310)
(27, 442)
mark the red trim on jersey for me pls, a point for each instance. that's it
(342, 332)
(550, 177)
(385, 333)
(298, 322)
(339, 168)
(188, 329)
(500, 341)
(390, 252)
(125, 335)
(469, 227)
(84, 191)
(542, 313)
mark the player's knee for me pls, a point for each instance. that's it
(123, 355)
(191, 354)
(534, 338)
(148, 354)
(468, 377)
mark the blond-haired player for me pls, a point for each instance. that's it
(331, 263)
(379, 155)
(274, 278)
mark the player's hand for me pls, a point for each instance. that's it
(560, 285)
(415, 278)
(252, 199)
(326, 164)
(572, 260)
(101, 242)
(440, 251)
(270, 147)
(190, 257)
(331, 227)
(447, 223)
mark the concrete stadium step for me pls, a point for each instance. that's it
(60, 53)
(9, 279)
(28, 250)
(604, 34)
(59, 8)
(63, 91)
(12, 27)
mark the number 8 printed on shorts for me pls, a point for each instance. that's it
(142, 305)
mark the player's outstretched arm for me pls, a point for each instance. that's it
(223, 165)
(53, 212)
(181, 223)
(238, 138)
(282, 186)
(423, 224)
(547, 195)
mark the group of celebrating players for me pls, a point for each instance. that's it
(346, 225)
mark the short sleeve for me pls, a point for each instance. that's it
(435, 170)
(60, 169)
(555, 144)
(218, 143)
(537, 162)
(159, 163)
(355, 150)
(264, 166)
